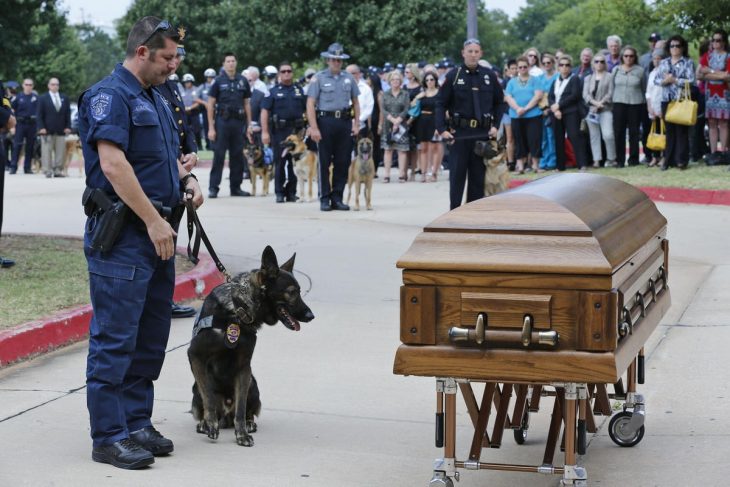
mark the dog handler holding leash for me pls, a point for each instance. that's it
(134, 177)
(473, 98)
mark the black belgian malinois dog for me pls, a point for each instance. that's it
(225, 392)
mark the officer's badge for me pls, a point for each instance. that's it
(233, 333)
(100, 106)
(181, 32)
(486, 79)
(347, 81)
(297, 92)
(460, 81)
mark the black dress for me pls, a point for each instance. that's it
(427, 121)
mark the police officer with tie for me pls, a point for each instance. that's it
(282, 114)
(130, 143)
(25, 106)
(332, 124)
(474, 101)
(229, 107)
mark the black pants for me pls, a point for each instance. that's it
(335, 149)
(465, 166)
(677, 151)
(229, 137)
(627, 116)
(25, 134)
(645, 128)
(570, 123)
(285, 181)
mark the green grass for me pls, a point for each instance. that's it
(49, 275)
(697, 176)
(205, 155)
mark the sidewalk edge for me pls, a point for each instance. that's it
(71, 325)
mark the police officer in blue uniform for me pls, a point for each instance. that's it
(25, 106)
(203, 91)
(188, 153)
(282, 114)
(229, 107)
(332, 124)
(473, 98)
(130, 146)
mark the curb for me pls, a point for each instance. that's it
(670, 195)
(72, 325)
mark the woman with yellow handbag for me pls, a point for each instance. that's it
(674, 76)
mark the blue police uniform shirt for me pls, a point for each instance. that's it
(333, 92)
(456, 95)
(230, 93)
(119, 110)
(25, 105)
(286, 102)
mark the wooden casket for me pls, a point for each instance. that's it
(560, 280)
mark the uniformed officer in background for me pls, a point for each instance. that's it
(229, 108)
(193, 106)
(332, 123)
(25, 107)
(282, 114)
(131, 145)
(203, 91)
(7, 122)
(474, 101)
(188, 153)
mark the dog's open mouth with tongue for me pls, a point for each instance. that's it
(286, 318)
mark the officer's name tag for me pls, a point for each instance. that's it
(233, 332)
(460, 81)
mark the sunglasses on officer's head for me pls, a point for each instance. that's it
(161, 27)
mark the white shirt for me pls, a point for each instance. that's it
(366, 101)
(261, 86)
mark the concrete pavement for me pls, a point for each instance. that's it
(333, 412)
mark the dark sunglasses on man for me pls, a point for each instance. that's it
(161, 27)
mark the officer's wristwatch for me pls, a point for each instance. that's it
(184, 179)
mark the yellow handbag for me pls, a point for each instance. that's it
(682, 111)
(656, 141)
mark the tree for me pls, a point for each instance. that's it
(532, 19)
(103, 51)
(693, 18)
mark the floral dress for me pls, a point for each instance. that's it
(717, 94)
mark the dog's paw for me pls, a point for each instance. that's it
(212, 433)
(251, 426)
(244, 439)
(201, 428)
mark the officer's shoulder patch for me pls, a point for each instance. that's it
(100, 106)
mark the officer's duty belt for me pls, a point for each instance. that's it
(28, 119)
(289, 124)
(464, 123)
(334, 114)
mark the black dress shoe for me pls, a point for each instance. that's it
(324, 206)
(665, 167)
(123, 454)
(212, 194)
(279, 198)
(292, 198)
(152, 440)
(5, 263)
(13, 170)
(179, 311)
(339, 205)
(239, 192)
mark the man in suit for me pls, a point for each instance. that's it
(54, 122)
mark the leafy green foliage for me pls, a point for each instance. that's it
(694, 18)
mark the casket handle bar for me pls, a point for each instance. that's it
(634, 311)
(480, 334)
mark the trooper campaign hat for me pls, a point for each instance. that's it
(335, 51)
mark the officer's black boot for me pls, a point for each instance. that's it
(125, 454)
(152, 440)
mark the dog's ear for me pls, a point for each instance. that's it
(289, 264)
(269, 265)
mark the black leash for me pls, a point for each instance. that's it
(194, 226)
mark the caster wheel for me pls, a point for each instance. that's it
(619, 432)
(521, 433)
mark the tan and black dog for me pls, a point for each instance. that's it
(361, 172)
(254, 154)
(225, 392)
(496, 178)
(305, 162)
(73, 148)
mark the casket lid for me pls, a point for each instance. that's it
(566, 223)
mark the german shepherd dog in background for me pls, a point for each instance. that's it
(225, 392)
(361, 172)
(254, 154)
(303, 160)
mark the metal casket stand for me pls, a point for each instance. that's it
(551, 289)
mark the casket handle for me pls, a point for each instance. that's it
(526, 330)
(480, 334)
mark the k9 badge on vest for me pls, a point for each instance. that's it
(233, 333)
